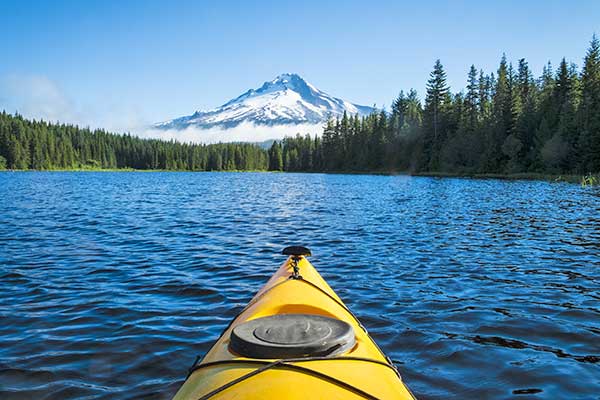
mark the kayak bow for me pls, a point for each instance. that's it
(295, 340)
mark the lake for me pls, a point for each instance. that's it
(112, 283)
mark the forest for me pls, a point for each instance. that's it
(40, 145)
(503, 122)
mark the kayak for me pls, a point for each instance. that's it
(294, 340)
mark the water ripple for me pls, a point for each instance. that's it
(112, 283)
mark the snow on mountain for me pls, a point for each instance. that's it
(286, 100)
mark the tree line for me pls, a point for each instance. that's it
(26, 144)
(507, 121)
(503, 122)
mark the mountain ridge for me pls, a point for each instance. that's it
(286, 100)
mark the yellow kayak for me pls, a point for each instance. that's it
(295, 340)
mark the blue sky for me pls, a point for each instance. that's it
(121, 64)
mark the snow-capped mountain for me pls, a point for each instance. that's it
(286, 100)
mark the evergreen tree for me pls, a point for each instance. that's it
(485, 87)
(527, 120)
(436, 104)
(471, 103)
(589, 114)
(502, 120)
(275, 157)
(560, 151)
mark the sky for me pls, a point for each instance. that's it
(122, 65)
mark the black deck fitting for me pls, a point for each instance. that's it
(296, 251)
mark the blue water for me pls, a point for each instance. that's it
(112, 283)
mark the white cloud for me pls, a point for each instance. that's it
(36, 97)
(245, 132)
(39, 97)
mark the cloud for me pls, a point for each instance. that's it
(36, 97)
(39, 97)
(245, 132)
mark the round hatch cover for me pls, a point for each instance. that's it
(292, 336)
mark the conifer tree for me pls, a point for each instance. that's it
(436, 103)
(471, 103)
(589, 141)
(275, 157)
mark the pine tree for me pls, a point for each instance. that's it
(414, 114)
(560, 152)
(503, 120)
(527, 119)
(525, 84)
(485, 95)
(436, 103)
(589, 115)
(471, 103)
(398, 115)
(275, 157)
(330, 145)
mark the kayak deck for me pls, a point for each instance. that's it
(360, 372)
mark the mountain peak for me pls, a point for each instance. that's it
(287, 76)
(286, 100)
(286, 81)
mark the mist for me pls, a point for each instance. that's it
(245, 132)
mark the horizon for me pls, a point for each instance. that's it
(104, 65)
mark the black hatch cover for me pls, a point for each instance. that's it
(292, 336)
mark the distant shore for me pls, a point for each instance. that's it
(529, 176)
(578, 179)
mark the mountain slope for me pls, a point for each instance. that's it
(286, 100)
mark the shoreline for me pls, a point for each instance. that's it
(527, 176)
(521, 176)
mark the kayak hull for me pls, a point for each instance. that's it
(361, 372)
